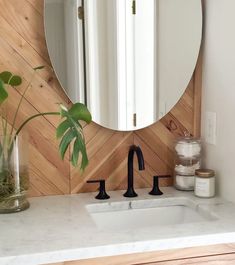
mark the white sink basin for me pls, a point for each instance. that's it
(146, 213)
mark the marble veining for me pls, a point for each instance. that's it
(61, 228)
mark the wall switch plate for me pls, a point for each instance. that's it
(210, 128)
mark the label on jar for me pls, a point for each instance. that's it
(205, 187)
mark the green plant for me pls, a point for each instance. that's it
(69, 131)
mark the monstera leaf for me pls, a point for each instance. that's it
(70, 132)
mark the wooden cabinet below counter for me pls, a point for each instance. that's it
(208, 255)
(227, 259)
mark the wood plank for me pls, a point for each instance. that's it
(197, 97)
(227, 259)
(110, 155)
(48, 98)
(27, 22)
(38, 5)
(213, 253)
(17, 43)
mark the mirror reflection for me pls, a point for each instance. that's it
(128, 60)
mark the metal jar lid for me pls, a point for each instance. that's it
(205, 173)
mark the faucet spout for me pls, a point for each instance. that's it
(130, 176)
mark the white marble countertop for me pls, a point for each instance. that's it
(60, 228)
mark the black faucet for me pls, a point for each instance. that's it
(130, 176)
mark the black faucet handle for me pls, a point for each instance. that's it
(156, 190)
(102, 195)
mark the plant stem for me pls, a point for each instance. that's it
(20, 102)
(4, 129)
(3, 122)
(35, 116)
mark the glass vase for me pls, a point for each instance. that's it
(14, 177)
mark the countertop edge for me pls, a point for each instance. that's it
(119, 249)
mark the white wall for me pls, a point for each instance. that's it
(64, 38)
(55, 32)
(219, 91)
(180, 25)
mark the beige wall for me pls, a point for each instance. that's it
(219, 91)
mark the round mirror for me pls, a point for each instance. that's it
(129, 61)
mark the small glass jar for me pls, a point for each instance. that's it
(204, 183)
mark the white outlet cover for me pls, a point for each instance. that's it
(210, 127)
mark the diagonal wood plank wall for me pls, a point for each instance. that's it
(22, 47)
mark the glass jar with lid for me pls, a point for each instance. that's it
(187, 160)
